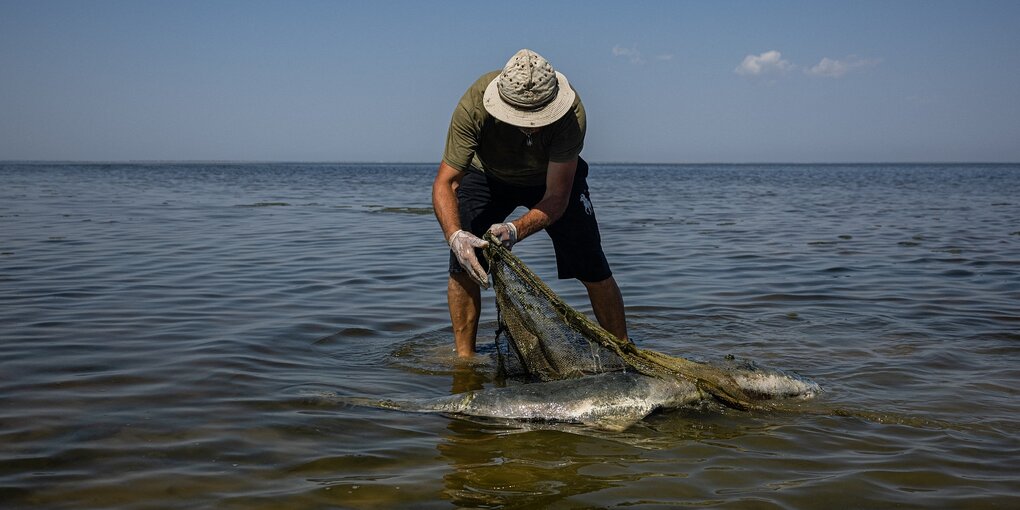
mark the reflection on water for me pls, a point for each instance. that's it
(167, 333)
(533, 469)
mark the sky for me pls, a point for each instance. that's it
(376, 81)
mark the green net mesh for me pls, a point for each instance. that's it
(543, 338)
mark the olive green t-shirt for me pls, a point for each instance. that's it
(477, 139)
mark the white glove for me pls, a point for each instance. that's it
(463, 244)
(506, 233)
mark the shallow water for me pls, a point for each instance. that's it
(167, 334)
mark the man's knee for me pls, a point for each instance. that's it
(460, 280)
(606, 283)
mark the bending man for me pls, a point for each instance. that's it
(514, 140)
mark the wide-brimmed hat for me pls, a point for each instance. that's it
(529, 92)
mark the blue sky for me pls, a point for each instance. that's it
(668, 81)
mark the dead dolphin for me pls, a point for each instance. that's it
(610, 401)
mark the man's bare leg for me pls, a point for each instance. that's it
(465, 301)
(607, 303)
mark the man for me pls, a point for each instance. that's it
(515, 140)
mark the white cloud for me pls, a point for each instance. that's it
(767, 63)
(631, 54)
(832, 68)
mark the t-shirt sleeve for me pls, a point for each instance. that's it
(464, 135)
(461, 139)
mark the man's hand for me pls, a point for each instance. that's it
(506, 233)
(463, 244)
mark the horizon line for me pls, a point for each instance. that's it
(339, 162)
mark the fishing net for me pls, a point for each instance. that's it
(542, 338)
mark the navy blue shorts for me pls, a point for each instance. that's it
(484, 201)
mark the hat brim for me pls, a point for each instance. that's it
(538, 117)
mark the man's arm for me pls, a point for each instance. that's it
(558, 182)
(444, 198)
(462, 243)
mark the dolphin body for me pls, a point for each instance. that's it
(610, 401)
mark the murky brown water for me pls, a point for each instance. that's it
(167, 333)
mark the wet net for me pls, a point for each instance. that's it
(542, 338)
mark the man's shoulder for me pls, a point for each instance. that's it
(470, 109)
(478, 87)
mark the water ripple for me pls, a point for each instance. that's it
(170, 335)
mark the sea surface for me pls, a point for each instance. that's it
(171, 334)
